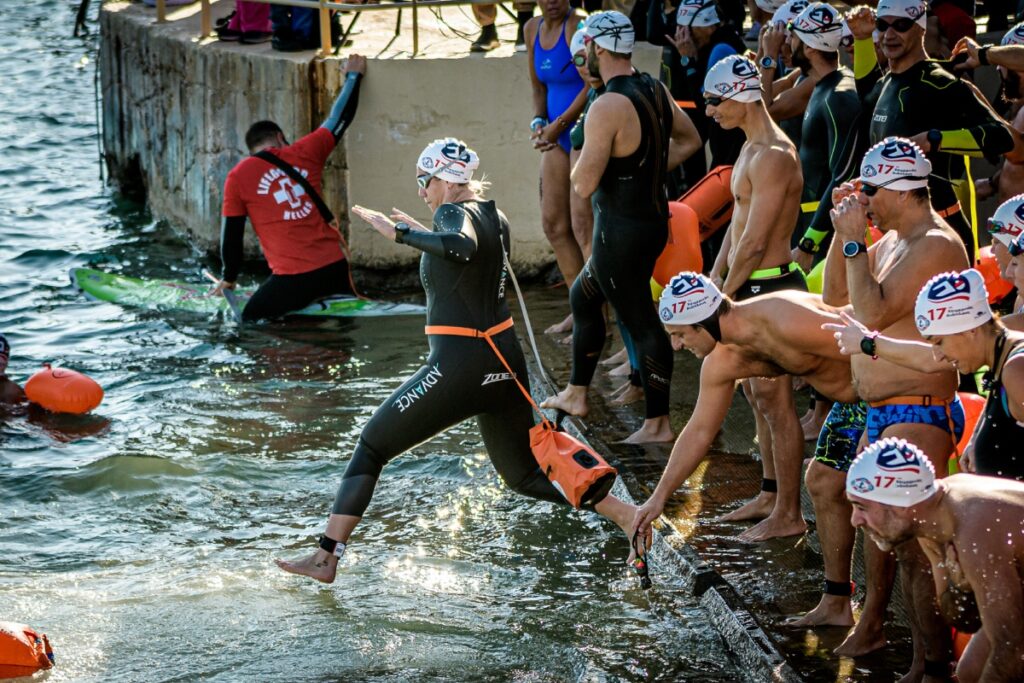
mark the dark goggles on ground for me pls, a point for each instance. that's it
(579, 59)
(424, 180)
(901, 25)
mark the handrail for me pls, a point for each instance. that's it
(324, 6)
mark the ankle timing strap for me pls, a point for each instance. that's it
(769, 486)
(336, 548)
(943, 670)
(839, 588)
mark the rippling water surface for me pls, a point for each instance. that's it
(140, 538)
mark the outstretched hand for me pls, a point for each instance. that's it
(379, 221)
(398, 215)
(861, 20)
(848, 334)
(971, 47)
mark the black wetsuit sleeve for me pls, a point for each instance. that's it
(845, 147)
(657, 27)
(232, 230)
(982, 132)
(344, 108)
(453, 237)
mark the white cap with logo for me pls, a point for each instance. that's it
(911, 9)
(895, 164)
(1007, 223)
(892, 472)
(788, 12)
(697, 13)
(1015, 36)
(449, 159)
(689, 299)
(733, 78)
(819, 26)
(611, 30)
(951, 303)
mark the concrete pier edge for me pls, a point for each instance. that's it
(753, 648)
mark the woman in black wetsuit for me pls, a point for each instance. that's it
(463, 273)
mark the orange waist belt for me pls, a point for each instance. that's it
(579, 473)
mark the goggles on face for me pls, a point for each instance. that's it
(900, 25)
(424, 180)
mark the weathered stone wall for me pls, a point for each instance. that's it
(175, 111)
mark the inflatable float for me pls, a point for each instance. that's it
(23, 650)
(63, 391)
(711, 200)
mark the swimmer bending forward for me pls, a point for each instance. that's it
(463, 274)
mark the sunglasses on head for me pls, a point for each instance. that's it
(901, 25)
(579, 59)
(424, 180)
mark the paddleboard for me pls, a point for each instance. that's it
(170, 295)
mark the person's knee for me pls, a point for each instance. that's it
(826, 485)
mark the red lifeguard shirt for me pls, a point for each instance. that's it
(294, 236)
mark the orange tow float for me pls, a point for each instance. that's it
(63, 391)
(23, 650)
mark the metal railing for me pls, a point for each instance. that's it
(324, 6)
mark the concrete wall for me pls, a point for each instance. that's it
(175, 110)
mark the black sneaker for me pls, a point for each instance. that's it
(487, 41)
(254, 37)
(230, 34)
(223, 21)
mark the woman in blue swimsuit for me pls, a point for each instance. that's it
(559, 95)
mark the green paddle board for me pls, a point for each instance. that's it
(169, 295)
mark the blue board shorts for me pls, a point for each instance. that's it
(840, 435)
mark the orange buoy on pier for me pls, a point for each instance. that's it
(63, 391)
(711, 200)
(23, 650)
(995, 285)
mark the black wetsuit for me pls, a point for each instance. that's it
(832, 149)
(997, 443)
(280, 294)
(464, 276)
(924, 97)
(630, 231)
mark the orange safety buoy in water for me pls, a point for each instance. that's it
(995, 285)
(23, 651)
(711, 200)
(974, 406)
(682, 251)
(63, 391)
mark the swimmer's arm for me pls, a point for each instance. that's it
(599, 130)
(1014, 321)
(910, 354)
(232, 232)
(866, 70)
(685, 139)
(843, 134)
(538, 90)
(1013, 382)
(448, 240)
(1008, 56)
(992, 572)
(978, 130)
(717, 386)
(766, 205)
(344, 108)
(792, 102)
(722, 260)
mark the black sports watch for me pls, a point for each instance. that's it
(851, 249)
(401, 230)
(767, 62)
(868, 346)
(935, 139)
(807, 246)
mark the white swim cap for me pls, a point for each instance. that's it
(911, 9)
(788, 12)
(1015, 36)
(611, 30)
(689, 299)
(819, 26)
(769, 6)
(951, 303)
(1007, 223)
(733, 78)
(892, 472)
(697, 13)
(577, 43)
(895, 164)
(449, 159)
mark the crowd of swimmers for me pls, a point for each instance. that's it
(856, 175)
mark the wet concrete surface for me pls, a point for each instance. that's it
(774, 580)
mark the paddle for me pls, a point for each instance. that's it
(230, 295)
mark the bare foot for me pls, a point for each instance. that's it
(654, 430)
(757, 508)
(774, 526)
(566, 340)
(562, 327)
(832, 610)
(807, 417)
(572, 401)
(630, 394)
(863, 639)
(321, 566)
(621, 370)
(616, 358)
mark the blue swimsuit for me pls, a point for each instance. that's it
(555, 69)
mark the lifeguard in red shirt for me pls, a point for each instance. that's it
(302, 248)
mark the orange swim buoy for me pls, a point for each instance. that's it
(974, 406)
(711, 199)
(995, 285)
(63, 391)
(682, 251)
(23, 651)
